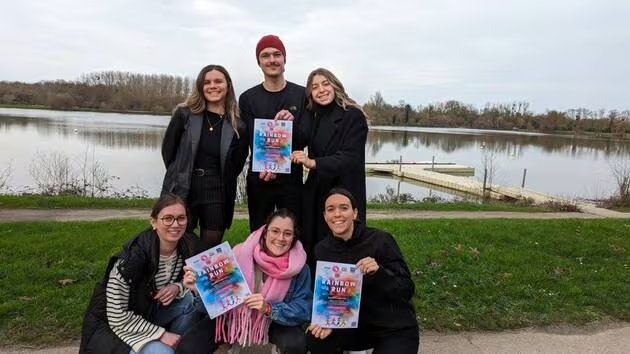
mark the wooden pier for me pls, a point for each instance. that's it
(449, 168)
(458, 178)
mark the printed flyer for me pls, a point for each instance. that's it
(271, 148)
(337, 295)
(220, 282)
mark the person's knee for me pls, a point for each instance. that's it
(155, 347)
(296, 345)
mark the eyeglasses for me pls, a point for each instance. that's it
(168, 220)
(274, 231)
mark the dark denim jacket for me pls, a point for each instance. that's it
(296, 307)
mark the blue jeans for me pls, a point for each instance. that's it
(176, 318)
(154, 347)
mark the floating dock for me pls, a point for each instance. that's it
(447, 175)
(449, 168)
(458, 178)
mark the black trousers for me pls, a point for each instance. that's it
(288, 339)
(399, 341)
(263, 198)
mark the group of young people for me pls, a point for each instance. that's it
(147, 303)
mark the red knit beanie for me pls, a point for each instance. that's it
(270, 41)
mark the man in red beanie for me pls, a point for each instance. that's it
(274, 98)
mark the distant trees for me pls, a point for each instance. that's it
(106, 90)
(503, 116)
(159, 93)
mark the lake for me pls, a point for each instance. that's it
(128, 147)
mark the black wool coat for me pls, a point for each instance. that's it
(336, 141)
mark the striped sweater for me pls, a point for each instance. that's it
(130, 327)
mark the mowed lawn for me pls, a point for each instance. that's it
(469, 274)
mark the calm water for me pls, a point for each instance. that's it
(128, 146)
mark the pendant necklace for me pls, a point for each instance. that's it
(211, 126)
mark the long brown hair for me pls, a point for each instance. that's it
(197, 102)
(341, 97)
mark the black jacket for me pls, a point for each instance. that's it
(257, 102)
(386, 295)
(140, 259)
(336, 141)
(179, 149)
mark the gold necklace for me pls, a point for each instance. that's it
(211, 126)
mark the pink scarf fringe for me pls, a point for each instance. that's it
(243, 325)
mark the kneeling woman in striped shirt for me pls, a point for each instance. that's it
(141, 305)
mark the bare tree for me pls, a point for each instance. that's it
(489, 165)
(241, 185)
(53, 173)
(5, 176)
(620, 169)
(94, 179)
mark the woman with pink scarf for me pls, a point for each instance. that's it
(273, 262)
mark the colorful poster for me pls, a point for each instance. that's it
(337, 295)
(220, 282)
(271, 148)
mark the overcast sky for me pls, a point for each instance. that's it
(555, 54)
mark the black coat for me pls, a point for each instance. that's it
(336, 141)
(386, 295)
(179, 149)
(140, 259)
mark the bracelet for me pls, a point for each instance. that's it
(267, 311)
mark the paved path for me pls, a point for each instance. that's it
(7, 215)
(609, 338)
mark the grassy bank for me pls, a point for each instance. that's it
(469, 274)
(76, 202)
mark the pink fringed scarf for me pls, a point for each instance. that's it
(247, 326)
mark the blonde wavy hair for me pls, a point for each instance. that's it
(341, 97)
(197, 102)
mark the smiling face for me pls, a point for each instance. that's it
(340, 216)
(279, 237)
(215, 87)
(322, 91)
(271, 61)
(170, 234)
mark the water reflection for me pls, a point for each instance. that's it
(451, 140)
(129, 146)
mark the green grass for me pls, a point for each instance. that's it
(74, 202)
(469, 274)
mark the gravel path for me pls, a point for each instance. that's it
(8, 215)
(608, 338)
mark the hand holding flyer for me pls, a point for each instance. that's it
(271, 148)
(220, 282)
(337, 295)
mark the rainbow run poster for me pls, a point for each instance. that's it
(220, 282)
(271, 148)
(337, 295)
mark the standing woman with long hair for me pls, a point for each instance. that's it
(336, 128)
(204, 149)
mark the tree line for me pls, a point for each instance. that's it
(106, 91)
(160, 93)
(502, 116)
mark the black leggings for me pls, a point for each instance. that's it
(210, 218)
